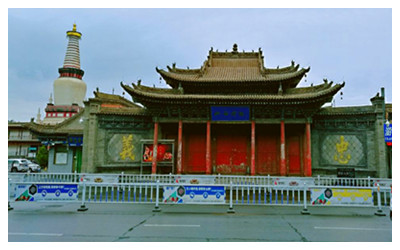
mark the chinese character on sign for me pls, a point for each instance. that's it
(127, 148)
(230, 113)
(342, 156)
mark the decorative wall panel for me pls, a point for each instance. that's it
(343, 150)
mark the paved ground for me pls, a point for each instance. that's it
(44, 222)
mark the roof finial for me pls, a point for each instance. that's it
(73, 32)
(235, 48)
(51, 98)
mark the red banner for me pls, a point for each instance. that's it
(164, 152)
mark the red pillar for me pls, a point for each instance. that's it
(155, 144)
(253, 148)
(283, 151)
(208, 148)
(307, 169)
(179, 156)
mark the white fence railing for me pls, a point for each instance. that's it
(150, 190)
(199, 179)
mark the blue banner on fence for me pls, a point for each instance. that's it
(47, 192)
(230, 113)
(194, 194)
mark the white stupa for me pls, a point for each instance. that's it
(69, 89)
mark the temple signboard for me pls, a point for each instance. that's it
(230, 113)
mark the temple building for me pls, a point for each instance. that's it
(233, 116)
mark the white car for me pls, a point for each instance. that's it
(18, 165)
(33, 167)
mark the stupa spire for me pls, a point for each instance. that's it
(72, 58)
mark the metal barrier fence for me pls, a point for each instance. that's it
(152, 191)
(199, 179)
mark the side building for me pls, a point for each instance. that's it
(63, 141)
(22, 143)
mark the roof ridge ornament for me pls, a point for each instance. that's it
(235, 48)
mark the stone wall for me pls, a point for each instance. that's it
(112, 143)
(349, 141)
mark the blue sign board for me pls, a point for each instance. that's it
(230, 113)
(388, 132)
(75, 141)
(47, 192)
(194, 194)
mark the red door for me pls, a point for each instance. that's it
(195, 152)
(267, 155)
(231, 150)
(294, 155)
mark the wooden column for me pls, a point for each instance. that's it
(155, 144)
(282, 169)
(253, 148)
(208, 148)
(307, 168)
(179, 155)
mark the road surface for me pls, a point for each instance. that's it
(50, 222)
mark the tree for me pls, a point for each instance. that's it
(42, 156)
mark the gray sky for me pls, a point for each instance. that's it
(351, 45)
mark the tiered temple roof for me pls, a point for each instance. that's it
(243, 71)
(317, 94)
(236, 78)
